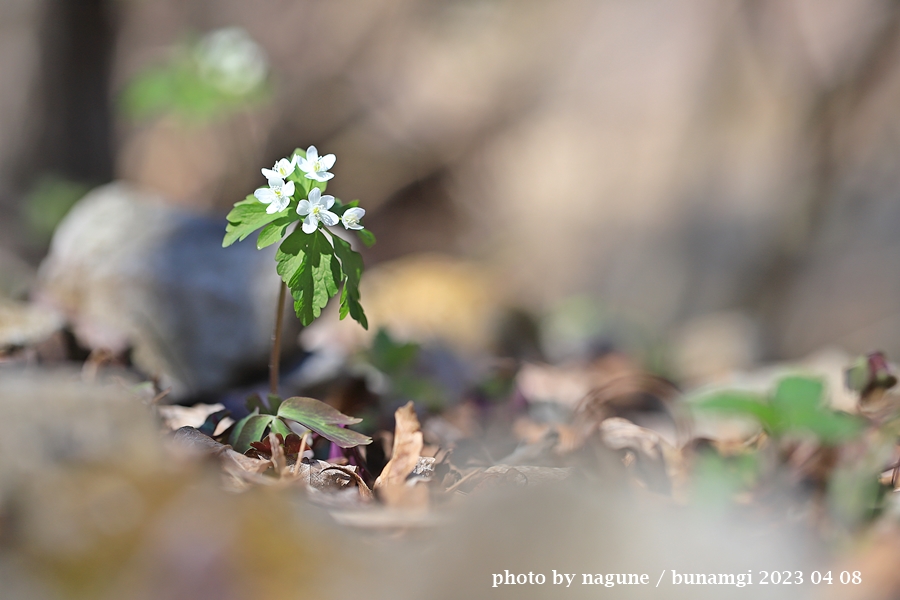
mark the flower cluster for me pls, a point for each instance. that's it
(314, 265)
(316, 207)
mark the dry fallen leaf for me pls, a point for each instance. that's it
(278, 459)
(404, 459)
(659, 455)
(621, 434)
(175, 417)
(407, 448)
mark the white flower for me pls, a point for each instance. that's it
(315, 166)
(231, 61)
(352, 216)
(315, 209)
(281, 170)
(277, 195)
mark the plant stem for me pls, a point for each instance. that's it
(275, 358)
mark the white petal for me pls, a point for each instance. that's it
(276, 181)
(310, 224)
(356, 211)
(312, 155)
(327, 162)
(269, 174)
(321, 176)
(288, 189)
(328, 200)
(286, 165)
(328, 217)
(278, 205)
(303, 208)
(264, 195)
(315, 196)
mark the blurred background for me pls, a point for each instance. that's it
(709, 183)
(583, 208)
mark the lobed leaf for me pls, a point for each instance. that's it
(247, 216)
(306, 265)
(274, 231)
(324, 420)
(352, 267)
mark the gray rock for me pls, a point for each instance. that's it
(129, 271)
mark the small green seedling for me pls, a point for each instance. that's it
(314, 263)
(796, 405)
(312, 414)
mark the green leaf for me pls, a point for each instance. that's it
(324, 420)
(249, 429)
(830, 427)
(274, 231)
(247, 216)
(390, 356)
(352, 267)
(366, 237)
(305, 265)
(279, 426)
(742, 403)
(799, 394)
(797, 405)
(800, 406)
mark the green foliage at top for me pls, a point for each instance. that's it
(314, 266)
(201, 81)
(312, 414)
(796, 405)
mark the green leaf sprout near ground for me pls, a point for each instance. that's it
(797, 405)
(312, 414)
(222, 72)
(314, 262)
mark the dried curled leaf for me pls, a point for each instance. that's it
(407, 448)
